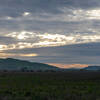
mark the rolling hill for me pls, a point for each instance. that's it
(93, 68)
(15, 64)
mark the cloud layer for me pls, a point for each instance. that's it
(24, 39)
(54, 16)
(71, 54)
(58, 27)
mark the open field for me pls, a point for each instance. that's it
(73, 85)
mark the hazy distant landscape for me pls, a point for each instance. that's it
(49, 49)
(10, 64)
(24, 80)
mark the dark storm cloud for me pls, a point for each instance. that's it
(9, 26)
(47, 26)
(7, 40)
(80, 53)
(43, 10)
(15, 8)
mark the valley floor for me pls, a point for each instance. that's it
(73, 85)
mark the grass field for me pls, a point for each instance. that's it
(78, 85)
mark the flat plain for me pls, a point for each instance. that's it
(71, 85)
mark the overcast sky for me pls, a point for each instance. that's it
(51, 31)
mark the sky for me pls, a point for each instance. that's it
(51, 31)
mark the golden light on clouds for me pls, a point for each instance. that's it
(94, 14)
(29, 55)
(5, 55)
(3, 47)
(27, 39)
(69, 65)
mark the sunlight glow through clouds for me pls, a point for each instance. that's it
(94, 14)
(87, 14)
(34, 40)
(2, 47)
(22, 35)
(26, 13)
(5, 55)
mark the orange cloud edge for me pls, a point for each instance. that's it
(69, 65)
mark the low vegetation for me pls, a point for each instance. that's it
(73, 85)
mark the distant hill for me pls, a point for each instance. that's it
(15, 64)
(92, 68)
